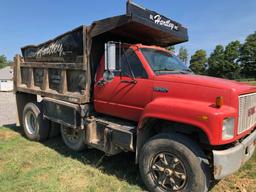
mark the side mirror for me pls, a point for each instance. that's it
(110, 61)
(110, 56)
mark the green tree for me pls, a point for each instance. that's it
(183, 54)
(198, 62)
(231, 56)
(171, 48)
(224, 63)
(248, 56)
(216, 62)
(3, 61)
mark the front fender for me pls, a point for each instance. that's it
(200, 114)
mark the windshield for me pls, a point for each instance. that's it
(162, 62)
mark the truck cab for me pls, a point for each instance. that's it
(114, 86)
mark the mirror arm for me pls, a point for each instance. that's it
(101, 82)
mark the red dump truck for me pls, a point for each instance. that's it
(112, 86)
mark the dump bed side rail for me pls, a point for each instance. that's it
(64, 81)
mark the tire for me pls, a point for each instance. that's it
(35, 127)
(73, 138)
(173, 163)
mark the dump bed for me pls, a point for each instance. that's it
(56, 68)
(63, 68)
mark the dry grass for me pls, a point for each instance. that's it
(50, 166)
(5, 135)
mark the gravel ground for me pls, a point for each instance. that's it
(7, 108)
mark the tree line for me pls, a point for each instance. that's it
(4, 62)
(232, 61)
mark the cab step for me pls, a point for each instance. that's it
(111, 135)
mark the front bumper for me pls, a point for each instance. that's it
(230, 160)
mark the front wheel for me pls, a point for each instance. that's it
(173, 163)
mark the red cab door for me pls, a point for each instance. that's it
(128, 93)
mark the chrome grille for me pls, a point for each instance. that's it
(247, 112)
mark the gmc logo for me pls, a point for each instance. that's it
(251, 111)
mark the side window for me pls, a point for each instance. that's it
(130, 62)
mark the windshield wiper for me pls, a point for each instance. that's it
(165, 69)
(188, 71)
(184, 71)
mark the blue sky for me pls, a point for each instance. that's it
(209, 22)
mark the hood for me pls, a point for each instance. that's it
(206, 81)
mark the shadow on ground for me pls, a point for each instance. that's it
(122, 165)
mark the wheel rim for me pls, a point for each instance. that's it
(71, 135)
(168, 172)
(30, 122)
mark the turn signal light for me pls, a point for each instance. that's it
(219, 102)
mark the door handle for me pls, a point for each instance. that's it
(131, 81)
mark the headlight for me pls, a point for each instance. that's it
(228, 128)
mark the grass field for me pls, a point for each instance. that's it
(253, 82)
(50, 166)
(250, 82)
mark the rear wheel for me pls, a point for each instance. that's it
(173, 163)
(73, 138)
(35, 127)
